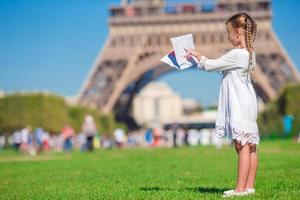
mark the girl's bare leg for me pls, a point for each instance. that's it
(253, 169)
(243, 166)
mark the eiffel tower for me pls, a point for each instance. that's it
(139, 36)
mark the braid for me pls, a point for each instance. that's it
(254, 30)
(250, 37)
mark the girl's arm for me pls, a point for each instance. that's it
(225, 62)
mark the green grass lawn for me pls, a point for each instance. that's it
(182, 173)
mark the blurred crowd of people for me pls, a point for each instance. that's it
(38, 140)
(34, 141)
(176, 136)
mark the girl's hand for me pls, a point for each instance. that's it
(193, 52)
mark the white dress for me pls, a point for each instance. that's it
(237, 105)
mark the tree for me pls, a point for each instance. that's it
(50, 112)
(288, 103)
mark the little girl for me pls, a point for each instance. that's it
(237, 106)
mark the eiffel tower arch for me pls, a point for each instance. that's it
(139, 36)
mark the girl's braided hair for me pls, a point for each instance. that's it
(243, 20)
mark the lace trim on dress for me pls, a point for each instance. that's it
(239, 135)
(220, 131)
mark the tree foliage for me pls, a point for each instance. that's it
(288, 103)
(50, 112)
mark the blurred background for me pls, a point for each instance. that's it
(86, 74)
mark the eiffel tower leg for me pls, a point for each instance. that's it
(274, 68)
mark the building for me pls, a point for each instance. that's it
(190, 106)
(157, 104)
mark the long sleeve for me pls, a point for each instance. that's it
(225, 62)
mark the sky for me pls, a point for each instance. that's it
(52, 44)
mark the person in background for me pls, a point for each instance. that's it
(120, 137)
(186, 136)
(156, 137)
(45, 141)
(149, 136)
(25, 132)
(96, 140)
(89, 129)
(175, 129)
(67, 134)
(2, 142)
(17, 140)
(106, 142)
(37, 139)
